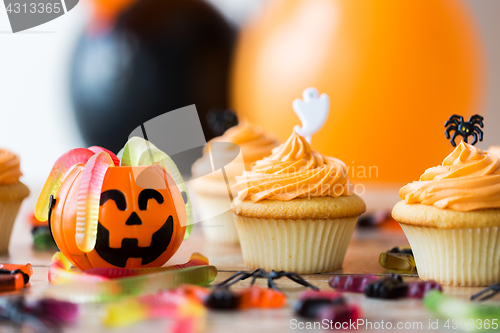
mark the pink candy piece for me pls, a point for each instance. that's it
(420, 288)
(351, 283)
(343, 313)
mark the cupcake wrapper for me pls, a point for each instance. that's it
(456, 257)
(221, 228)
(8, 213)
(301, 246)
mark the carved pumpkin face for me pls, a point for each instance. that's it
(141, 218)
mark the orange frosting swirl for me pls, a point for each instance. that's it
(10, 171)
(467, 180)
(253, 142)
(293, 170)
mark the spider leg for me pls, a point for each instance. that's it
(475, 138)
(259, 272)
(457, 117)
(490, 291)
(476, 118)
(477, 122)
(465, 138)
(300, 280)
(242, 275)
(478, 130)
(270, 279)
(452, 140)
(451, 128)
(451, 121)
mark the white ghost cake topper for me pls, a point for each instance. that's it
(312, 112)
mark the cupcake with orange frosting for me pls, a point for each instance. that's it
(295, 211)
(12, 194)
(211, 188)
(451, 217)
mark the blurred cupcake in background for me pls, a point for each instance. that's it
(12, 194)
(495, 150)
(211, 188)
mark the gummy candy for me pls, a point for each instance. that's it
(89, 195)
(78, 287)
(97, 149)
(398, 260)
(60, 169)
(351, 283)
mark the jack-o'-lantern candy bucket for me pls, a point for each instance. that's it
(103, 211)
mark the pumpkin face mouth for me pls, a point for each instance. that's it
(129, 247)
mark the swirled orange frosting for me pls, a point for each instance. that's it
(252, 140)
(468, 179)
(9, 167)
(293, 170)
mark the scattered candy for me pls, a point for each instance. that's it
(183, 304)
(420, 288)
(45, 315)
(469, 316)
(393, 287)
(351, 283)
(257, 297)
(60, 272)
(399, 260)
(79, 287)
(326, 305)
(310, 301)
(14, 277)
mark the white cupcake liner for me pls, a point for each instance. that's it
(468, 257)
(217, 219)
(301, 246)
(8, 214)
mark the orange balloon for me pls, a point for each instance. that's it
(394, 70)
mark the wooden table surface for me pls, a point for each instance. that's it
(362, 257)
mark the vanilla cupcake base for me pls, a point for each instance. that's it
(300, 246)
(11, 198)
(8, 213)
(219, 227)
(468, 257)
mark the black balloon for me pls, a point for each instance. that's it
(158, 56)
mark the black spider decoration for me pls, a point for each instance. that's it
(487, 293)
(465, 129)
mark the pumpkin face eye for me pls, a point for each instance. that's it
(147, 194)
(117, 196)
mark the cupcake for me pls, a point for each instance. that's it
(451, 217)
(295, 210)
(12, 193)
(210, 188)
